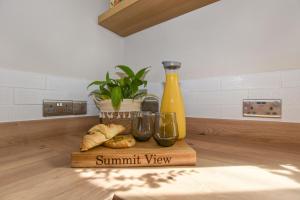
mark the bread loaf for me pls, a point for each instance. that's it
(120, 141)
(99, 134)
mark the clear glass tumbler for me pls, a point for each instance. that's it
(166, 129)
(142, 125)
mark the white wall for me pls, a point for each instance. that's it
(59, 37)
(230, 37)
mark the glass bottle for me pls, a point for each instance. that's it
(172, 100)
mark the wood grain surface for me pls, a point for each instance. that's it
(23, 131)
(131, 16)
(227, 169)
(143, 154)
(273, 133)
(280, 134)
(232, 164)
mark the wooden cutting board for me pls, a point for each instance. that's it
(143, 154)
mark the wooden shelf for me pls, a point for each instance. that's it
(131, 16)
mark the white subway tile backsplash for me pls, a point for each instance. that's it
(291, 113)
(205, 111)
(77, 96)
(262, 80)
(6, 113)
(232, 112)
(92, 110)
(6, 96)
(207, 84)
(155, 88)
(209, 98)
(265, 93)
(27, 96)
(27, 112)
(291, 78)
(63, 83)
(36, 97)
(232, 83)
(253, 81)
(233, 97)
(226, 97)
(22, 94)
(190, 97)
(291, 96)
(20, 79)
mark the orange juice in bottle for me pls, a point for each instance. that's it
(172, 100)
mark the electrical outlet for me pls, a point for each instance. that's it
(57, 108)
(79, 107)
(262, 108)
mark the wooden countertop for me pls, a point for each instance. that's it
(226, 169)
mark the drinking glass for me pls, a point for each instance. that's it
(166, 129)
(142, 125)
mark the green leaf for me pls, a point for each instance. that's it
(104, 91)
(116, 97)
(126, 70)
(100, 94)
(126, 92)
(122, 82)
(108, 80)
(137, 82)
(134, 90)
(145, 83)
(95, 83)
(127, 81)
(140, 74)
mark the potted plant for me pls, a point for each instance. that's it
(117, 98)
